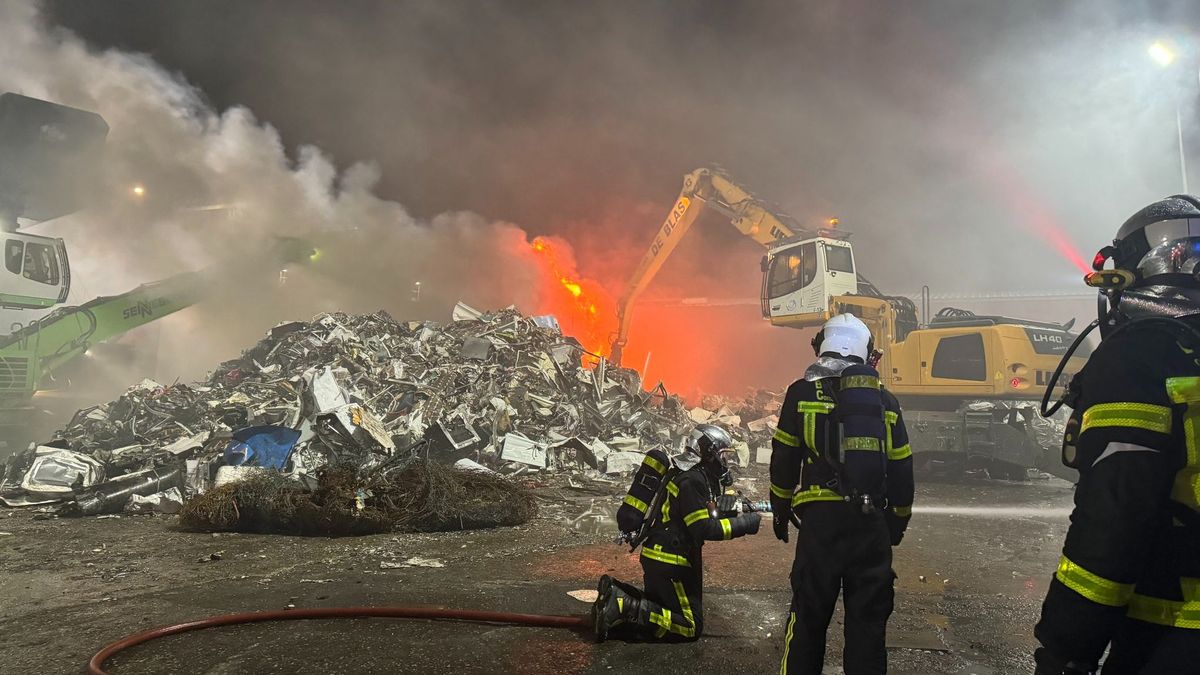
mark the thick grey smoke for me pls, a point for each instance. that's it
(218, 185)
(973, 146)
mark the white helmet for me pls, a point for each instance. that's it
(846, 335)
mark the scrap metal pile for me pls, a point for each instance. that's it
(487, 392)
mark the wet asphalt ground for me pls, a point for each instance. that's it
(972, 572)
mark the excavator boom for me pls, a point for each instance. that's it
(703, 187)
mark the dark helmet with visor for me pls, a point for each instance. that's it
(711, 445)
(1160, 244)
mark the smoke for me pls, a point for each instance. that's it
(215, 186)
(971, 146)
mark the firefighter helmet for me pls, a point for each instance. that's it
(709, 444)
(845, 335)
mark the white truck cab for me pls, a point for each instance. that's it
(800, 277)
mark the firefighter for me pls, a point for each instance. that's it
(841, 470)
(671, 607)
(1129, 576)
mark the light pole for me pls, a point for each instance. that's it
(1164, 55)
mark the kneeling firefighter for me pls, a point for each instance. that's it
(841, 463)
(1129, 576)
(672, 508)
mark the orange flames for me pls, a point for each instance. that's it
(584, 309)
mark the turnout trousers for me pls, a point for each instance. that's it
(672, 604)
(839, 548)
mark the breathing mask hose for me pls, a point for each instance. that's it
(1046, 410)
(96, 664)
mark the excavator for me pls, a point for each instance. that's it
(968, 383)
(48, 153)
(48, 156)
(32, 356)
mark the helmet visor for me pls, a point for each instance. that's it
(1174, 248)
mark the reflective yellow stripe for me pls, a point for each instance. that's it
(1146, 416)
(890, 417)
(673, 488)
(901, 452)
(782, 493)
(688, 630)
(902, 511)
(1093, 586)
(1178, 613)
(699, 514)
(860, 382)
(787, 643)
(726, 528)
(860, 443)
(1186, 487)
(815, 494)
(636, 503)
(654, 464)
(786, 438)
(819, 407)
(658, 554)
(666, 509)
(662, 619)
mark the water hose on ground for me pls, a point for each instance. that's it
(96, 664)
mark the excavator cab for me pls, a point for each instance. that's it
(49, 155)
(800, 276)
(35, 274)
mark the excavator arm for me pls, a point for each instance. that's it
(32, 354)
(702, 187)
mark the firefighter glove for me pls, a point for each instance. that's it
(747, 523)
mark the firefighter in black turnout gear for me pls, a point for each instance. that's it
(841, 464)
(1129, 576)
(681, 505)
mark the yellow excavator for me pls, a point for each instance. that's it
(968, 383)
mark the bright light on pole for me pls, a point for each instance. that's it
(1162, 53)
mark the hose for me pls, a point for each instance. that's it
(96, 664)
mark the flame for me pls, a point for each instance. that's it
(584, 309)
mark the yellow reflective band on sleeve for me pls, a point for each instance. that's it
(726, 528)
(860, 382)
(782, 493)
(891, 417)
(659, 555)
(1146, 416)
(1093, 586)
(815, 494)
(698, 514)
(902, 452)
(861, 443)
(636, 503)
(786, 438)
(902, 511)
(654, 464)
(1178, 613)
(673, 488)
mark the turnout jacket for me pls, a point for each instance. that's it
(800, 474)
(687, 519)
(1133, 546)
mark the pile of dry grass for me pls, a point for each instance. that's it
(420, 497)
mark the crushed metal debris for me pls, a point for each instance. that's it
(347, 415)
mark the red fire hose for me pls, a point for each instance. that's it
(96, 665)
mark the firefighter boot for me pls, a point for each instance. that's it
(616, 604)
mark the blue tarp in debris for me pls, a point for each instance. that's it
(266, 446)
